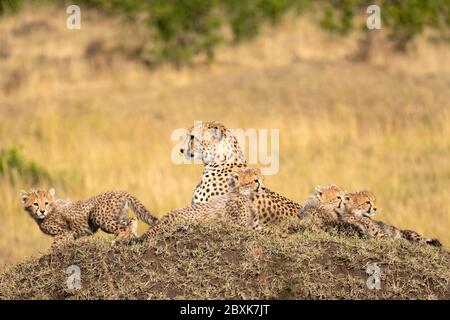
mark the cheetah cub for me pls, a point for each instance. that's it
(68, 220)
(320, 208)
(361, 203)
(235, 206)
(357, 209)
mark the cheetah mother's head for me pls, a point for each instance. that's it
(211, 143)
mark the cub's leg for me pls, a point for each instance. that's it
(166, 222)
(62, 239)
(133, 227)
(162, 224)
(128, 232)
(113, 218)
(127, 228)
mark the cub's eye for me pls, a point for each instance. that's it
(367, 202)
(339, 197)
(347, 198)
(36, 204)
(46, 203)
(320, 193)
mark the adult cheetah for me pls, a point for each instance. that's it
(68, 220)
(356, 211)
(219, 151)
(234, 206)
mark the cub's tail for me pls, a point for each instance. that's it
(434, 242)
(415, 237)
(141, 211)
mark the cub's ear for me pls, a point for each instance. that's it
(52, 192)
(23, 196)
(318, 190)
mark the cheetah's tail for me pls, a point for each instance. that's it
(141, 212)
(434, 242)
(415, 237)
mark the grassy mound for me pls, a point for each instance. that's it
(223, 261)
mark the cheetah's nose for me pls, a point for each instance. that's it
(42, 211)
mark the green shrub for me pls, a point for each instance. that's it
(185, 29)
(15, 166)
(407, 19)
(246, 17)
(338, 15)
(9, 5)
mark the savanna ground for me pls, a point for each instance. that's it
(222, 261)
(84, 107)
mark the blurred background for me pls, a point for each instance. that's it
(93, 109)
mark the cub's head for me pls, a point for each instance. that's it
(211, 142)
(37, 202)
(360, 204)
(246, 181)
(329, 196)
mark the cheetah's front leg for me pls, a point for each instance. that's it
(62, 239)
(129, 231)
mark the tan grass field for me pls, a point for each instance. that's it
(104, 121)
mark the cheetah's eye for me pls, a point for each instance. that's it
(46, 203)
(367, 202)
(36, 204)
(256, 181)
(347, 198)
(339, 197)
(320, 193)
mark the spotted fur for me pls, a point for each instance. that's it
(68, 220)
(235, 206)
(357, 210)
(363, 203)
(321, 206)
(219, 151)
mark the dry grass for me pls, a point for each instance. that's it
(104, 120)
(222, 261)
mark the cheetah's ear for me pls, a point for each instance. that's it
(257, 171)
(318, 190)
(219, 130)
(52, 192)
(23, 196)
